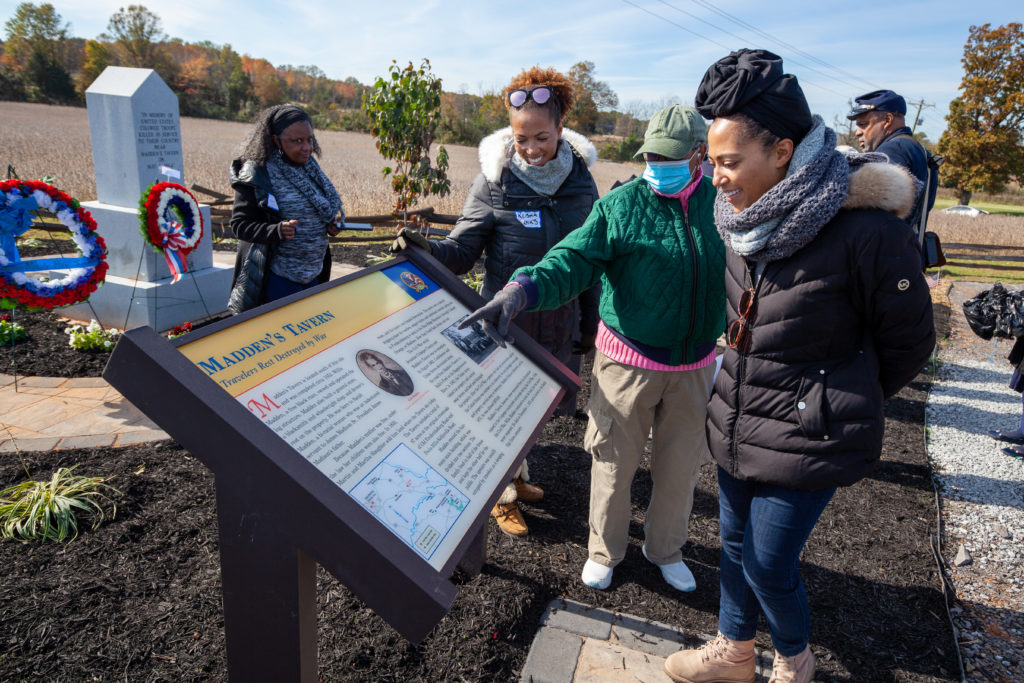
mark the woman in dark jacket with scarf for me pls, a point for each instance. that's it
(828, 315)
(534, 188)
(284, 210)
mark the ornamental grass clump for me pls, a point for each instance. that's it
(50, 510)
(10, 331)
(91, 338)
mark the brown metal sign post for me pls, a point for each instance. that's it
(336, 492)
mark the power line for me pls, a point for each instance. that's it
(742, 38)
(666, 19)
(765, 34)
(715, 42)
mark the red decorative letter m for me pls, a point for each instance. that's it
(268, 405)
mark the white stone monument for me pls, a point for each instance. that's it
(134, 126)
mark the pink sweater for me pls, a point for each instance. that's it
(619, 351)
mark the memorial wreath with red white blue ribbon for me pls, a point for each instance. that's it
(84, 273)
(172, 223)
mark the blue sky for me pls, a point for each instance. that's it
(646, 50)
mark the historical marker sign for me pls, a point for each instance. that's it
(354, 425)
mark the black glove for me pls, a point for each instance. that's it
(406, 237)
(585, 344)
(496, 315)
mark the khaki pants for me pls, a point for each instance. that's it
(625, 403)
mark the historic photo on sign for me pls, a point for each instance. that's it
(472, 341)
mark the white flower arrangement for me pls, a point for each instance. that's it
(92, 337)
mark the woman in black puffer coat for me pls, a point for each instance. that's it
(827, 316)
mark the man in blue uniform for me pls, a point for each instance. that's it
(881, 127)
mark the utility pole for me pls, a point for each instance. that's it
(920, 104)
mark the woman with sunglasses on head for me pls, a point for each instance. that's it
(828, 315)
(534, 189)
(653, 246)
(284, 210)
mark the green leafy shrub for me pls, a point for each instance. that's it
(623, 150)
(404, 111)
(91, 338)
(50, 510)
(10, 331)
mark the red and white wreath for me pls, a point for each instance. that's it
(172, 223)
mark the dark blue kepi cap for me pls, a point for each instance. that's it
(878, 100)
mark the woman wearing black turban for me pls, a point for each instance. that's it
(284, 210)
(827, 315)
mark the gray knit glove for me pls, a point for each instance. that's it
(406, 237)
(496, 315)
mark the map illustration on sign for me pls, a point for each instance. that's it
(412, 499)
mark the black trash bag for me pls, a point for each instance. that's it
(996, 312)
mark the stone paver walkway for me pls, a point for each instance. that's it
(57, 413)
(581, 644)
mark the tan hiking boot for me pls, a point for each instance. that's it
(527, 491)
(719, 661)
(796, 669)
(510, 519)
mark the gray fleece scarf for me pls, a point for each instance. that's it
(544, 179)
(791, 213)
(311, 182)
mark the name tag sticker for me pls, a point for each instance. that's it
(529, 219)
(272, 203)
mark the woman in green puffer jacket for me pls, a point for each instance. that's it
(653, 246)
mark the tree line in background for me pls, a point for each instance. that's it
(41, 62)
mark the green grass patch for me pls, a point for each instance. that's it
(991, 207)
(979, 271)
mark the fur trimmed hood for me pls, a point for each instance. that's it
(881, 185)
(496, 149)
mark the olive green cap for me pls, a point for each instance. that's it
(673, 132)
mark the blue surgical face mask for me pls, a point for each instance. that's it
(668, 177)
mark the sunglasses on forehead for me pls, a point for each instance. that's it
(540, 95)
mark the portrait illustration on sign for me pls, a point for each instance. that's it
(384, 372)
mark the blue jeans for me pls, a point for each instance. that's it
(763, 530)
(277, 287)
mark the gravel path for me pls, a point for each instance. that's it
(982, 496)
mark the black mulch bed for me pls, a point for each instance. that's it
(46, 351)
(139, 599)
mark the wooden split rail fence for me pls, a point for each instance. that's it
(220, 217)
(1005, 258)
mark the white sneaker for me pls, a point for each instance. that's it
(597, 575)
(676, 574)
